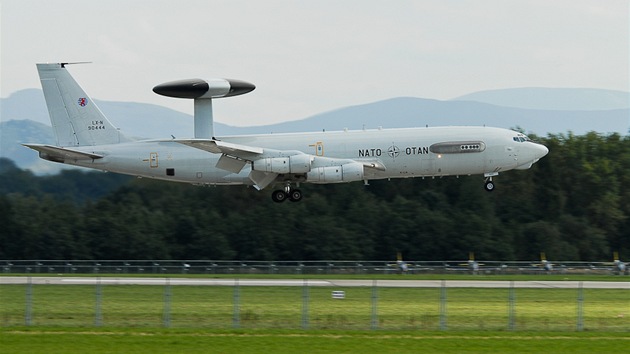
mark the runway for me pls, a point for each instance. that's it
(339, 283)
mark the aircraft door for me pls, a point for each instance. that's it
(319, 148)
(427, 167)
(153, 160)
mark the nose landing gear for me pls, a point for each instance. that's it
(489, 185)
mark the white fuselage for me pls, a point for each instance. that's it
(85, 137)
(410, 152)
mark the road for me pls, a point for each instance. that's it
(340, 283)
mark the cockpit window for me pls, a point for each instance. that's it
(521, 138)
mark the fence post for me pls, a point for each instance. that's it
(167, 304)
(511, 307)
(28, 315)
(305, 301)
(98, 315)
(443, 306)
(236, 317)
(580, 308)
(374, 322)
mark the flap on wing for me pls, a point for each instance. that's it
(222, 147)
(262, 179)
(55, 153)
(231, 164)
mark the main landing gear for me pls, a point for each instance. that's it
(279, 196)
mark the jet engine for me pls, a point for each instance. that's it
(283, 165)
(349, 172)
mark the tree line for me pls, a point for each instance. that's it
(572, 204)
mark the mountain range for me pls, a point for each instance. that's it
(542, 111)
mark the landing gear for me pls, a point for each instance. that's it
(489, 185)
(294, 195)
(279, 196)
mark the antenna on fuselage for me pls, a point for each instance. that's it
(203, 91)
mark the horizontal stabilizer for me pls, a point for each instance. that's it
(60, 154)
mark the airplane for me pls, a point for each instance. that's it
(85, 137)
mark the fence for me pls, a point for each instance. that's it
(295, 267)
(96, 302)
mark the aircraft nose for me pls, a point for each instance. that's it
(541, 150)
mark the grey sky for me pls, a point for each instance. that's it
(307, 57)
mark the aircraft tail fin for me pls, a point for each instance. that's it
(75, 118)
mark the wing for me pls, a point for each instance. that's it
(234, 157)
(268, 164)
(222, 147)
(60, 154)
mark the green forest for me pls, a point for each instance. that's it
(573, 205)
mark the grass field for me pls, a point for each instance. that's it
(364, 308)
(220, 319)
(390, 276)
(70, 341)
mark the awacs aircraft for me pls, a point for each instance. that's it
(85, 137)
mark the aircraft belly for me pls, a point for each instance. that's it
(438, 165)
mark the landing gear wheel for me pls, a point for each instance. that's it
(489, 186)
(295, 195)
(279, 196)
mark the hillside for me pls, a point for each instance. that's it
(567, 99)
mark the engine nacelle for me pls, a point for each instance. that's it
(284, 165)
(349, 172)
